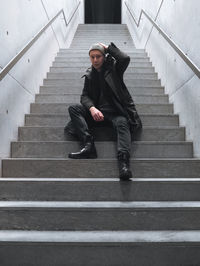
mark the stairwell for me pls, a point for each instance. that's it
(57, 211)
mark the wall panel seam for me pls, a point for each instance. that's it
(157, 14)
(51, 25)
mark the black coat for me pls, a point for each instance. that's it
(115, 64)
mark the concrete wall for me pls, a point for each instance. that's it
(20, 20)
(180, 20)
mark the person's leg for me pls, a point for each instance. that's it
(80, 118)
(122, 129)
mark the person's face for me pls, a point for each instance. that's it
(97, 59)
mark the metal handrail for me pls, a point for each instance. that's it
(187, 60)
(17, 57)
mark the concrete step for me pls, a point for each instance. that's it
(29, 133)
(61, 120)
(86, 55)
(85, 51)
(80, 82)
(140, 149)
(75, 98)
(85, 44)
(92, 34)
(124, 46)
(87, 64)
(120, 41)
(98, 33)
(102, 26)
(77, 75)
(138, 59)
(99, 168)
(78, 90)
(106, 38)
(146, 248)
(89, 28)
(57, 108)
(92, 215)
(104, 33)
(99, 189)
(79, 71)
(68, 54)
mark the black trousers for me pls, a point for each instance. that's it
(82, 120)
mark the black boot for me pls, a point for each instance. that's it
(87, 152)
(123, 162)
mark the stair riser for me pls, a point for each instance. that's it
(99, 191)
(78, 90)
(70, 98)
(79, 70)
(104, 150)
(124, 47)
(86, 65)
(98, 219)
(91, 37)
(69, 54)
(80, 82)
(86, 45)
(104, 27)
(59, 108)
(120, 41)
(81, 57)
(145, 254)
(85, 51)
(107, 36)
(80, 60)
(92, 34)
(99, 35)
(86, 37)
(62, 120)
(99, 168)
(57, 134)
(66, 76)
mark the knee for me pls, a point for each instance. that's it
(122, 122)
(73, 109)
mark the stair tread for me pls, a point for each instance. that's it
(113, 237)
(102, 204)
(134, 180)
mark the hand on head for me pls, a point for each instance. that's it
(104, 46)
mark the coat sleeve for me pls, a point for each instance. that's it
(85, 99)
(122, 59)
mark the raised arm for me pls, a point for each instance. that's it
(122, 59)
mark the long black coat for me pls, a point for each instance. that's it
(116, 62)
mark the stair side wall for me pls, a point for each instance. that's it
(20, 21)
(180, 20)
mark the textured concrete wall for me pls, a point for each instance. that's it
(180, 20)
(20, 20)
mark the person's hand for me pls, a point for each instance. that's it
(96, 114)
(104, 46)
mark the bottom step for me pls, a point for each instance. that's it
(107, 248)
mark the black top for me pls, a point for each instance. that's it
(105, 100)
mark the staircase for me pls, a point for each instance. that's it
(57, 211)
